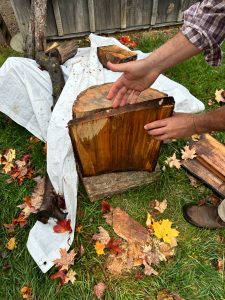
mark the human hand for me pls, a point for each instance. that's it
(177, 126)
(137, 77)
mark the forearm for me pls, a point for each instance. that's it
(210, 121)
(171, 53)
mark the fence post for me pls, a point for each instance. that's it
(91, 11)
(57, 15)
(154, 12)
(123, 13)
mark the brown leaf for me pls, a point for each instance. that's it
(66, 259)
(26, 292)
(102, 236)
(219, 96)
(220, 265)
(108, 218)
(105, 206)
(188, 153)
(127, 228)
(167, 295)
(148, 269)
(99, 290)
(59, 275)
(114, 246)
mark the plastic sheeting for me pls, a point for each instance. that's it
(26, 97)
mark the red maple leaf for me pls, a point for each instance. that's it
(59, 274)
(105, 206)
(21, 220)
(62, 226)
(114, 246)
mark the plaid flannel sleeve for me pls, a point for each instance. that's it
(204, 26)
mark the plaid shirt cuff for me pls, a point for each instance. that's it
(213, 55)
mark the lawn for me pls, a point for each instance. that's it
(192, 273)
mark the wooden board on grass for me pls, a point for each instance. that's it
(209, 165)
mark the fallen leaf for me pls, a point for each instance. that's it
(162, 230)
(99, 247)
(108, 218)
(10, 155)
(102, 236)
(220, 265)
(11, 244)
(66, 259)
(210, 102)
(138, 276)
(26, 292)
(188, 153)
(167, 295)
(193, 181)
(34, 140)
(105, 206)
(59, 275)
(195, 137)
(114, 246)
(99, 290)
(172, 161)
(70, 276)
(79, 228)
(149, 220)
(21, 220)
(160, 206)
(148, 269)
(81, 250)
(218, 96)
(62, 226)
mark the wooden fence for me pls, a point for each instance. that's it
(70, 18)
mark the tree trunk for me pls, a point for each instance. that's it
(35, 40)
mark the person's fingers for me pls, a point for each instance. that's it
(119, 97)
(157, 132)
(115, 89)
(117, 67)
(134, 97)
(125, 98)
(156, 124)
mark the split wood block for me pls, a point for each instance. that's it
(115, 54)
(112, 149)
(209, 165)
(62, 50)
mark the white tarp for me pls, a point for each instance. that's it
(26, 97)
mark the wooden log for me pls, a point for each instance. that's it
(209, 165)
(64, 50)
(112, 140)
(94, 98)
(106, 185)
(114, 54)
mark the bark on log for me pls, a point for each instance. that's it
(63, 51)
(35, 40)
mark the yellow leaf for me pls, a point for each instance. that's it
(99, 247)
(195, 137)
(11, 244)
(149, 220)
(10, 155)
(70, 276)
(7, 167)
(26, 292)
(162, 230)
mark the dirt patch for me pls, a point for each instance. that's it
(7, 13)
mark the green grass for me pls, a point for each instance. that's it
(191, 273)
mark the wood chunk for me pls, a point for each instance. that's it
(106, 185)
(127, 228)
(114, 54)
(209, 165)
(94, 98)
(63, 50)
(115, 140)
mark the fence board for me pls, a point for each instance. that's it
(139, 12)
(22, 11)
(167, 11)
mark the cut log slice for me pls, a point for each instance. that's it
(114, 54)
(114, 140)
(95, 98)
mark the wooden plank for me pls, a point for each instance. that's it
(58, 19)
(167, 11)
(21, 9)
(154, 12)
(180, 13)
(123, 14)
(209, 165)
(91, 11)
(107, 185)
(138, 12)
(51, 28)
(5, 35)
(107, 14)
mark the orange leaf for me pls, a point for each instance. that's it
(11, 244)
(99, 290)
(99, 247)
(59, 275)
(26, 292)
(21, 220)
(62, 226)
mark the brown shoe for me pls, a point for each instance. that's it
(204, 216)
